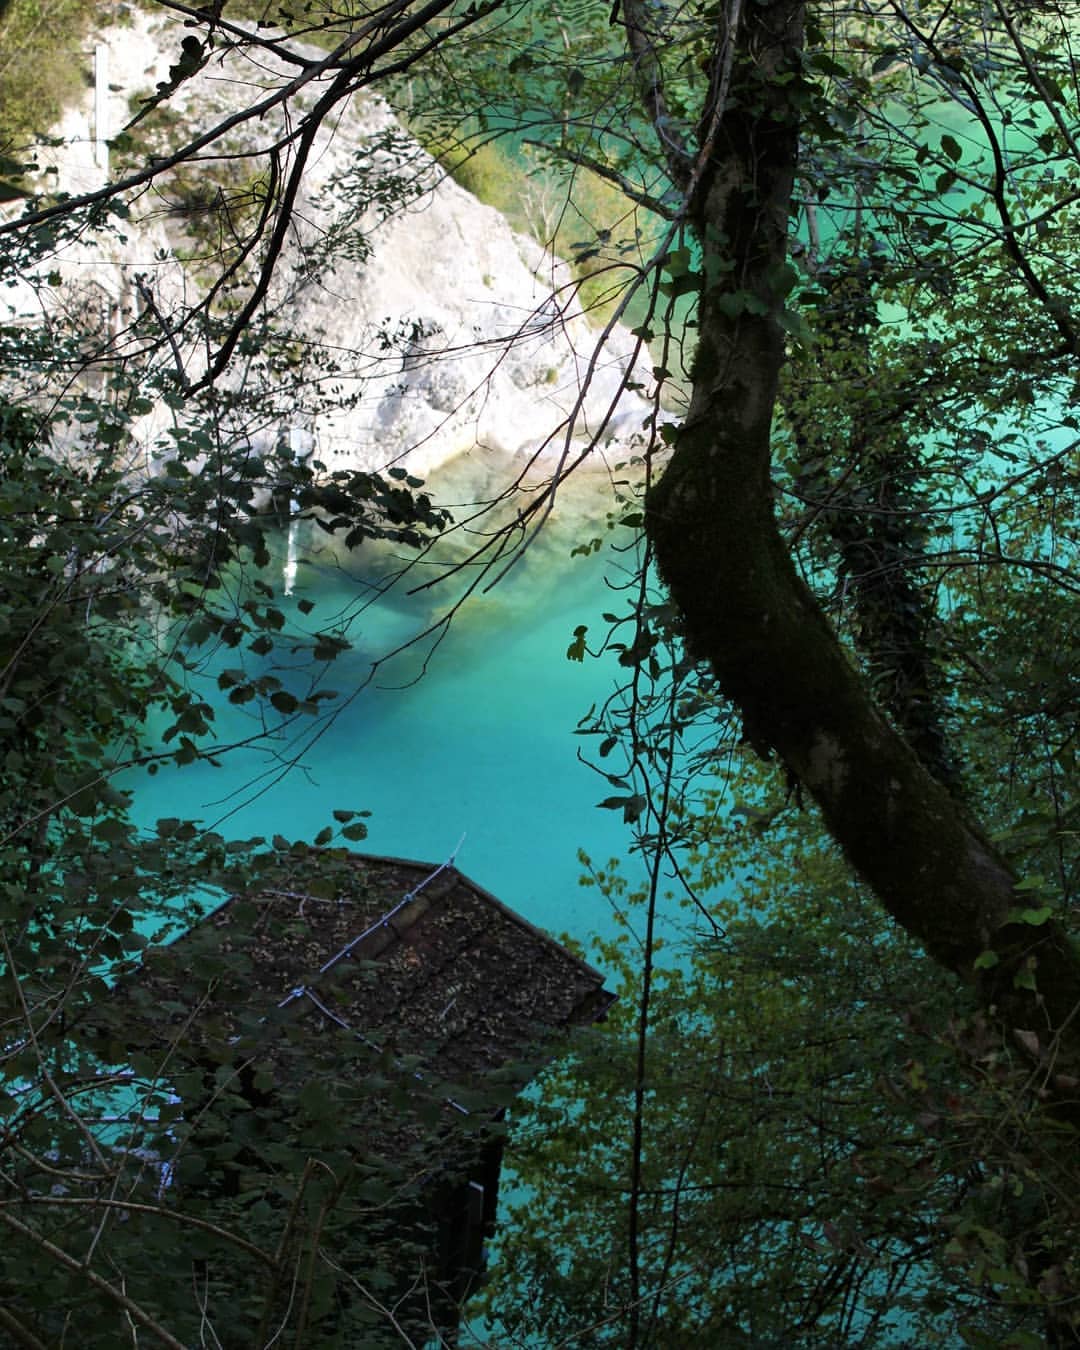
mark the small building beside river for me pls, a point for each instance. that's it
(357, 1027)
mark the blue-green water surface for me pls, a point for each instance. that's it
(472, 742)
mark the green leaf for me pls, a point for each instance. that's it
(1052, 87)
(576, 650)
(888, 58)
(951, 147)
(986, 960)
(1035, 917)
(783, 278)
(684, 284)
(677, 262)
(794, 324)
(631, 807)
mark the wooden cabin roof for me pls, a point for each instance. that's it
(413, 958)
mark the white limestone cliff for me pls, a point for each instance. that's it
(453, 334)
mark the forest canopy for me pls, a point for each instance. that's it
(837, 1101)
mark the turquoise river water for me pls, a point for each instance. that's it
(480, 743)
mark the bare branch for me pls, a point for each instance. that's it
(602, 170)
(83, 1272)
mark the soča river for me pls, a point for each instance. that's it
(468, 746)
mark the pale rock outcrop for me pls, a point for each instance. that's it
(451, 333)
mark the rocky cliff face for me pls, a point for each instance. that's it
(449, 333)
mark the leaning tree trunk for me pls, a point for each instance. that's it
(747, 611)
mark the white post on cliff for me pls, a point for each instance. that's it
(101, 116)
(296, 442)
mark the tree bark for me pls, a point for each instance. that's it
(750, 616)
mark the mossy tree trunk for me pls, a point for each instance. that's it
(750, 616)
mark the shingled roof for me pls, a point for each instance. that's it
(414, 958)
